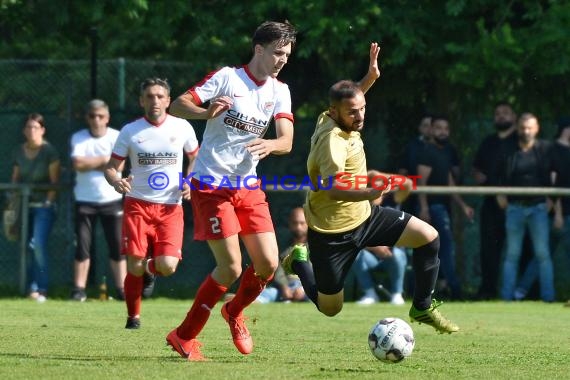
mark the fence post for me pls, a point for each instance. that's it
(25, 208)
(121, 83)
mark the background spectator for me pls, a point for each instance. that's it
(287, 287)
(409, 160)
(561, 166)
(91, 149)
(435, 169)
(527, 164)
(492, 218)
(37, 162)
(394, 260)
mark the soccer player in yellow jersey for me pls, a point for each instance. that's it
(342, 221)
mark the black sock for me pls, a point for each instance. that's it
(426, 267)
(304, 270)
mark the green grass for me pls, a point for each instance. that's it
(65, 340)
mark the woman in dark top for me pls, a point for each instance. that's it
(37, 162)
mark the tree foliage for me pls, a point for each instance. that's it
(453, 56)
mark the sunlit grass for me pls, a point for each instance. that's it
(66, 340)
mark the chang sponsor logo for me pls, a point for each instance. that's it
(245, 123)
(157, 158)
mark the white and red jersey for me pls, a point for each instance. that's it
(223, 152)
(156, 155)
(91, 185)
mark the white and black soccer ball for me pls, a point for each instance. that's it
(391, 340)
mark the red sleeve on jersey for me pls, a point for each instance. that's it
(195, 96)
(192, 91)
(194, 152)
(286, 116)
(117, 157)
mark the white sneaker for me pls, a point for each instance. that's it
(397, 299)
(367, 301)
(519, 294)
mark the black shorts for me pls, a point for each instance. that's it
(111, 216)
(332, 255)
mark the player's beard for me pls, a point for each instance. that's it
(298, 235)
(503, 125)
(526, 139)
(354, 127)
(441, 140)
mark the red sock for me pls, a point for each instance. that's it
(133, 294)
(250, 287)
(207, 296)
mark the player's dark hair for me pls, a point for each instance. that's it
(148, 82)
(37, 117)
(345, 89)
(503, 103)
(271, 31)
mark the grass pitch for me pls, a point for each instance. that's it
(67, 340)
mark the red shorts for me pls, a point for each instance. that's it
(222, 212)
(159, 225)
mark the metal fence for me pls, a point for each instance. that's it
(198, 261)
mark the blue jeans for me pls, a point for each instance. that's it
(41, 222)
(559, 238)
(269, 294)
(518, 217)
(366, 261)
(562, 238)
(442, 223)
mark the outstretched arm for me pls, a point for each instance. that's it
(261, 148)
(373, 70)
(185, 107)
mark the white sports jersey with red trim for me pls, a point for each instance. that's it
(223, 156)
(156, 155)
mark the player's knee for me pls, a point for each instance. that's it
(135, 267)
(166, 271)
(430, 234)
(330, 310)
(166, 268)
(266, 271)
(227, 275)
(234, 271)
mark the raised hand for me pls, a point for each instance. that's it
(373, 67)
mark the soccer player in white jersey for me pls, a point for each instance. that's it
(153, 213)
(90, 151)
(243, 101)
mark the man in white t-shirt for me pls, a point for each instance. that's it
(155, 145)
(227, 202)
(90, 151)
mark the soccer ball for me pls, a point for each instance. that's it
(391, 340)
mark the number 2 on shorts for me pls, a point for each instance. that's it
(215, 225)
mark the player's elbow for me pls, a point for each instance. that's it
(175, 107)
